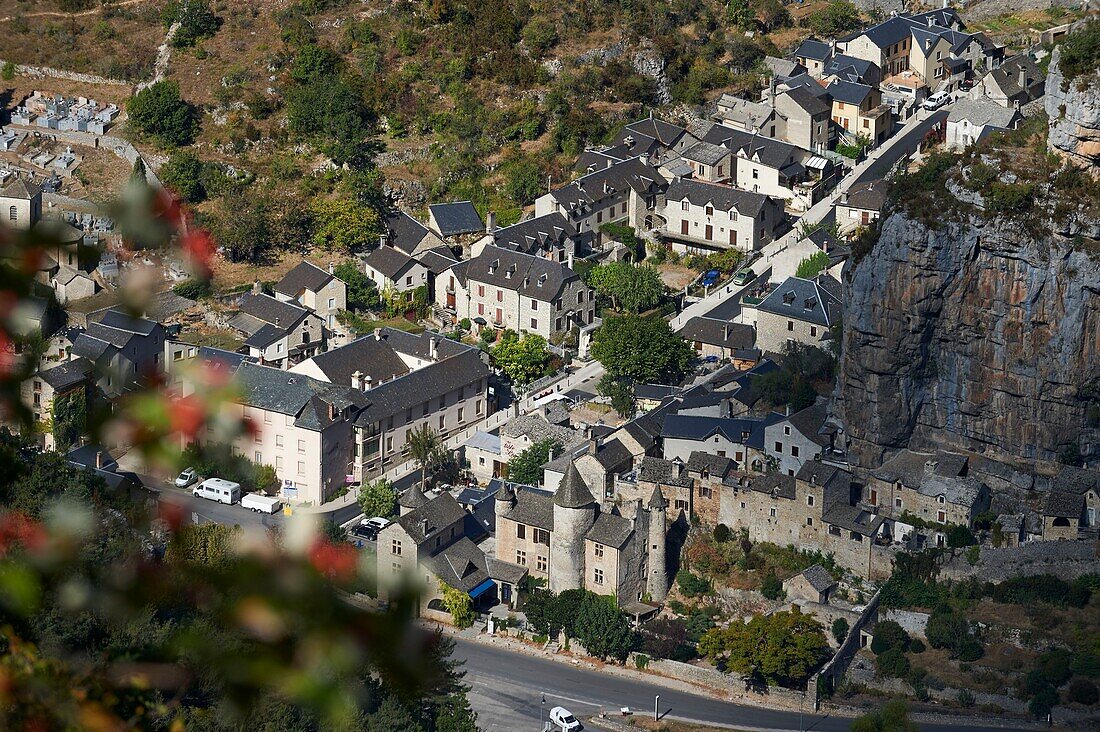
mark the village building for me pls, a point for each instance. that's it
(455, 221)
(813, 54)
(550, 236)
(813, 584)
(390, 269)
(859, 112)
(799, 438)
(278, 333)
(932, 487)
(405, 233)
(1013, 84)
(314, 289)
(719, 338)
(702, 217)
(861, 205)
(971, 120)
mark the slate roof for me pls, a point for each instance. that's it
(266, 335)
(724, 198)
(813, 49)
(505, 571)
(813, 104)
(532, 235)
(456, 218)
(852, 518)
(818, 577)
(664, 132)
(269, 310)
(371, 357)
(909, 467)
(67, 374)
(715, 332)
(303, 276)
(886, 33)
(714, 465)
(869, 196)
(486, 441)
(655, 391)
(405, 232)
(90, 347)
(530, 276)
(961, 491)
(823, 238)
(122, 321)
(85, 456)
(20, 188)
(657, 498)
(419, 345)
(117, 338)
(734, 429)
(1063, 504)
(593, 187)
(775, 484)
(810, 420)
(765, 150)
(982, 113)
(705, 153)
(573, 492)
(850, 68)
(413, 496)
(801, 299)
(304, 398)
(461, 565)
(424, 384)
(1007, 75)
(783, 68)
(535, 428)
(659, 470)
(849, 92)
(610, 529)
(533, 507)
(437, 260)
(613, 455)
(438, 513)
(391, 262)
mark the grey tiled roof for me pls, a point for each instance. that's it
(659, 470)
(304, 398)
(610, 530)
(530, 236)
(813, 104)
(92, 348)
(438, 513)
(818, 577)
(698, 428)
(530, 276)
(961, 491)
(405, 232)
(848, 92)
(801, 299)
(714, 332)
(425, 384)
(456, 218)
(706, 153)
(770, 152)
(505, 571)
(714, 465)
(630, 174)
(68, 374)
(850, 68)
(269, 310)
(114, 336)
(122, 321)
(461, 565)
(852, 518)
(573, 492)
(534, 508)
(910, 466)
(390, 261)
(303, 276)
(413, 496)
(813, 49)
(724, 198)
(613, 455)
(536, 429)
(775, 484)
(371, 357)
(869, 196)
(664, 132)
(436, 260)
(267, 335)
(982, 112)
(810, 420)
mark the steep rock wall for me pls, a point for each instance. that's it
(976, 336)
(1073, 108)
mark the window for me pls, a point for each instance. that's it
(680, 505)
(710, 210)
(809, 521)
(259, 458)
(834, 530)
(331, 303)
(396, 567)
(704, 491)
(521, 558)
(521, 531)
(897, 503)
(794, 450)
(481, 290)
(267, 417)
(278, 440)
(790, 325)
(779, 447)
(813, 331)
(742, 504)
(685, 206)
(500, 295)
(941, 516)
(771, 512)
(597, 549)
(597, 576)
(755, 173)
(542, 536)
(809, 500)
(442, 421)
(301, 468)
(395, 547)
(460, 417)
(13, 213)
(534, 324)
(857, 538)
(540, 563)
(786, 429)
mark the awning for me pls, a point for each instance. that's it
(481, 321)
(817, 162)
(482, 589)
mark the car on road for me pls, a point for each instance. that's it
(966, 84)
(937, 100)
(218, 489)
(368, 529)
(565, 719)
(186, 478)
(743, 277)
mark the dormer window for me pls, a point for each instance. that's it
(809, 304)
(788, 298)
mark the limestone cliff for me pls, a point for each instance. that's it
(1073, 106)
(973, 333)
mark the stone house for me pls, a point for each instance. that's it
(861, 205)
(574, 542)
(704, 216)
(38, 393)
(482, 456)
(761, 118)
(648, 138)
(520, 433)
(970, 120)
(1013, 84)
(278, 333)
(405, 233)
(1063, 515)
(139, 341)
(601, 463)
(391, 269)
(22, 202)
(807, 116)
(510, 290)
(813, 584)
(740, 439)
(315, 289)
(454, 221)
(850, 68)
(799, 438)
(550, 236)
(621, 192)
(719, 338)
(813, 55)
(709, 163)
(668, 476)
(934, 487)
(798, 310)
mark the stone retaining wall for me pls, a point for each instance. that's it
(45, 72)
(1065, 559)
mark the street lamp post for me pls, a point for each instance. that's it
(542, 712)
(656, 701)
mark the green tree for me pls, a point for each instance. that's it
(137, 173)
(621, 393)
(196, 21)
(889, 634)
(524, 358)
(740, 15)
(7, 72)
(344, 224)
(313, 62)
(424, 447)
(362, 293)
(540, 35)
(523, 179)
(378, 498)
(772, 587)
(69, 417)
(242, 225)
(959, 536)
(208, 544)
(812, 265)
(892, 663)
(835, 19)
(159, 112)
(840, 630)
(458, 604)
(526, 467)
(893, 716)
(631, 287)
(603, 627)
(782, 648)
(640, 349)
(183, 174)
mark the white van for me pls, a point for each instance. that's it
(261, 503)
(217, 489)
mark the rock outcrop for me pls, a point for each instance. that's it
(978, 336)
(1073, 107)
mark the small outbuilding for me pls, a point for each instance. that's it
(813, 584)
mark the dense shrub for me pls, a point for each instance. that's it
(892, 663)
(1082, 691)
(193, 289)
(1080, 52)
(721, 533)
(840, 629)
(916, 645)
(692, 585)
(161, 113)
(889, 634)
(772, 587)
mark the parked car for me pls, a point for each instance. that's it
(218, 489)
(368, 529)
(565, 719)
(937, 100)
(743, 277)
(966, 84)
(185, 478)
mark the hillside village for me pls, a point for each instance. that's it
(627, 388)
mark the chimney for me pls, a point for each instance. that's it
(945, 6)
(593, 448)
(725, 331)
(490, 222)
(276, 320)
(331, 412)
(256, 290)
(771, 92)
(424, 526)
(377, 334)
(433, 343)
(569, 261)
(99, 460)
(1023, 78)
(931, 21)
(332, 267)
(368, 381)
(357, 380)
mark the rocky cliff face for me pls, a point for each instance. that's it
(1074, 110)
(974, 336)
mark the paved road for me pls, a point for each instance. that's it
(905, 145)
(204, 511)
(506, 687)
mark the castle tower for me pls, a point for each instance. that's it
(411, 499)
(574, 513)
(505, 500)
(657, 579)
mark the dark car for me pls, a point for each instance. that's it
(743, 277)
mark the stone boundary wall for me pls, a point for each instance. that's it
(1065, 559)
(730, 684)
(914, 623)
(45, 72)
(835, 669)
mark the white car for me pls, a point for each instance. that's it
(937, 100)
(565, 719)
(185, 478)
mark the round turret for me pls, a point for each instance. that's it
(574, 513)
(657, 578)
